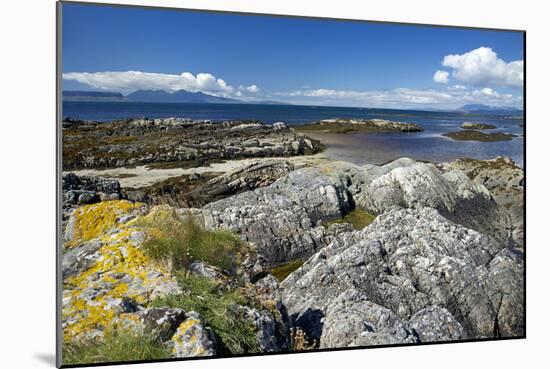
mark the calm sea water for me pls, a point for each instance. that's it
(358, 148)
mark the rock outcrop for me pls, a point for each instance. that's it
(472, 125)
(193, 339)
(409, 184)
(285, 219)
(344, 125)
(110, 282)
(411, 276)
(198, 190)
(472, 135)
(505, 181)
(182, 142)
(438, 263)
(86, 190)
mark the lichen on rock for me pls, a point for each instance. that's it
(193, 338)
(118, 276)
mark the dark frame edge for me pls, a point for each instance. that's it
(58, 173)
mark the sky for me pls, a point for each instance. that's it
(293, 60)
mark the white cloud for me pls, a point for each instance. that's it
(130, 81)
(483, 67)
(441, 76)
(404, 98)
(251, 88)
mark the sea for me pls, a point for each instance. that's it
(359, 148)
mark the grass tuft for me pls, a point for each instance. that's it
(116, 346)
(216, 304)
(182, 242)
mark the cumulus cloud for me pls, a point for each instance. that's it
(441, 76)
(251, 88)
(483, 67)
(130, 81)
(404, 98)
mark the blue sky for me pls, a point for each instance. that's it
(309, 61)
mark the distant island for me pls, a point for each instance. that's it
(486, 109)
(158, 96)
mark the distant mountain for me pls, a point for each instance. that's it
(181, 96)
(92, 96)
(486, 109)
(268, 102)
(158, 96)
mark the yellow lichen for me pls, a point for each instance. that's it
(92, 298)
(91, 221)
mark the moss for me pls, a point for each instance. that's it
(117, 346)
(282, 271)
(358, 218)
(215, 304)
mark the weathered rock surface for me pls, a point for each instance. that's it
(184, 142)
(85, 190)
(408, 184)
(344, 125)
(109, 281)
(505, 181)
(193, 339)
(411, 275)
(284, 219)
(198, 190)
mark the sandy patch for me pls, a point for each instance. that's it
(143, 176)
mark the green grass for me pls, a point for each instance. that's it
(116, 346)
(282, 271)
(216, 305)
(183, 242)
(358, 218)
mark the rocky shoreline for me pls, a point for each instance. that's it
(344, 125)
(439, 256)
(176, 142)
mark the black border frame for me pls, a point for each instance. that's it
(59, 196)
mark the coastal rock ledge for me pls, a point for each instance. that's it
(344, 125)
(410, 276)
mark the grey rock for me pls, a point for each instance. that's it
(271, 335)
(248, 177)
(162, 321)
(77, 259)
(284, 219)
(408, 260)
(505, 181)
(193, 338)
(409, 184)
(204, 270)
(435, 324)
(192, 142)
(351, 320)
(472, 125)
